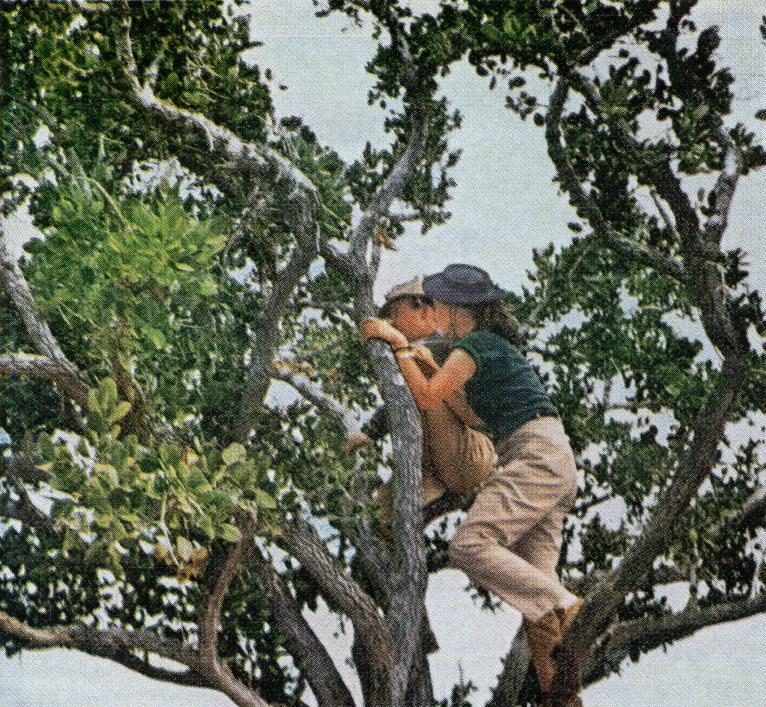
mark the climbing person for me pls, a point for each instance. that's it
(511, 539)
(455, 457)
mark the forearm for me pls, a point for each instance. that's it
(420, 386)
(428, 392)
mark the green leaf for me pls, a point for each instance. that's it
(120, 411)
(208, 286)
(109, 474)
(265, 500)
(170, 455)
(107, 394)
(71, 540)
(104, 520)
(156, 337)
(197, 481)
(207, 527)
(229, 532)
(184, 548)
(234, 453)
(217, 242)
(93, 404)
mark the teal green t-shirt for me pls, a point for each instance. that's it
(505, 392)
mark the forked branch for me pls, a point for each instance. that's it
(55, 366)
(585, 203)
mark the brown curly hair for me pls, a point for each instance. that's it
(496, 317)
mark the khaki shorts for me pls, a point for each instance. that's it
(456, 458)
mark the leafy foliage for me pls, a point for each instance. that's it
(158, 285)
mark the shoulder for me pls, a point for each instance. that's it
(488, 348)
(482, 340)
(478, 344)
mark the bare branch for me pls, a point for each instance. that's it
(642, 14)
(662, 211)
(694, 467)
(117, 644)
(67, 376)
(584, 506)
(665, 574)
(248, 156)
(659, 173)
(136, 420)
(652, 632)
(752, 512)
(212, 601)
(408, 582)
(344, 595)
(667, 48)
(404, 616)
(26, 470)
(314, 393)
(188, 678)
(391, 188)
(447, 503)
(405, 217)
(36, 366)
(706, 288)
(514, 673)
(375, 255)
(97, 642)
(300, 640)
(586, 204)
(267, 340)
(723, 191)
(25, 510)
(330, 306)
(754, 509)
(26, 364)
(339, 260)
(407, 162)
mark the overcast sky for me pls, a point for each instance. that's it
(504, 205)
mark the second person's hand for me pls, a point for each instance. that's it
(375, 328)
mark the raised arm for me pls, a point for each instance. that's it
(428, 392)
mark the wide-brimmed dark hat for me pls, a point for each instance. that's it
(463, 285)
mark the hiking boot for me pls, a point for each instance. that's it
(567, 616)
(568, 682)
(543, 636)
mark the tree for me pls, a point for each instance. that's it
(162, 310)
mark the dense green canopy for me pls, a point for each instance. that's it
(199, 248)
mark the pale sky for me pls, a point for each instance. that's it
(504, 205)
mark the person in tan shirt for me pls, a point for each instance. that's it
(456, 457)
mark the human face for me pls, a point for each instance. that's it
(452, 320)
(442, 316)
(414, 317)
